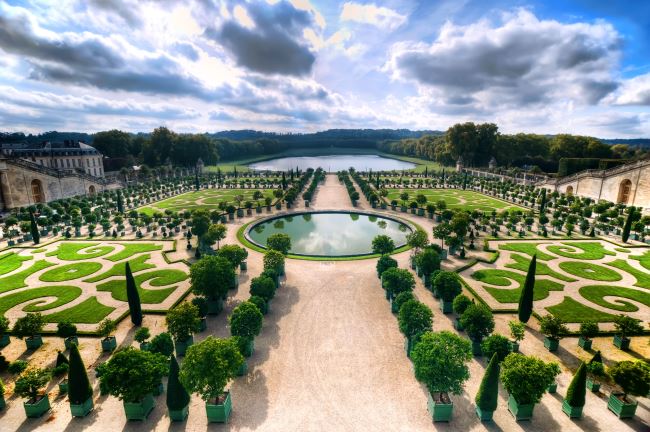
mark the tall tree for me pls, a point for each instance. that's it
(33, 228)
(120, 202)
(575, 395)
(488, 392)
(527, 293)
(542, 202)
(133, 297)
(628, 224)
(177, 396)
(79, 389)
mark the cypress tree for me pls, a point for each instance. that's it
(284, 181)
(597, 358)
(488, 392)
(526, 296)
(542, 202)
(177, 396)
(575, 395)
(79, 389)
(592, 233)
(628, 225)
(465, 181)
(196, 181)
(133, 297)
(235, 172)
(120, 202)
(33, 228)
(60, 359)
(426, 171)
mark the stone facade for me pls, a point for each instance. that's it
(628, 184)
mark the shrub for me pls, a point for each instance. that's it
(414, 318)
(4, 363)
(106, 328)
(30, 325)
(575, 395)
(258, 301)
(439, 360)
(245, 320)
(61, 365)
(161, 344)
(4, 326)
(79, 389)
(382, 244)
(398, 280)
(527, 378)
(633, 377)
(488, 391)
(478, 322)
(17, 366)
(279, 242)
(553, 327)
(183, 321)
(496, 344)
(461, 303)
(384, 263)
(177, 396)
(402, 298)
(66, 329)
(212, 276)
(627, 326)
(273, 260)
(131, 374)
(202, 304)
(264, 287)
(31, 382)
(428, 261)
(142, 334)
(588, 329)
(526, 296)
(447, 285)
(517, 330)
(234, 254)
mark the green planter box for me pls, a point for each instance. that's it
(408, 346)
(620, 408)
(476, 349)
(182, 346)
(514, 346)
(403, 209)
(393, 306)
(249, 348)
(139, 410)
(4, 340)
(63, 387)
(439, 412)
(242, 369)
(34, 342)
(584, 343)
(484, 415)
(203, 324)
(240, 213)
(109, 344)
(457, 325)
(552, 388)
(38, 408)
(215, 306)
(235, 282)
(520, 411)
(446, 306)
(551, 344)
(179, 415)
(71, 340)
(83, 409)
(621, 343)
(219, 413)
(571, 411)
(243, 266)
(593, 386)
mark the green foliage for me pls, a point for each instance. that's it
(414, 318)
(280, 242)
(273, 260)
(177, 397)
(202, 304)
(488, 391)
(106, 328)
(131, 374)
(4, 325)
(33, 228)
(588, 329)
(183, 321)
(496, 344)
(402, 298)
(246, 320)
(628, 224)
(428, 261)
(382, 244)
(627, 326)
(200, 222)
(216, 233)
(209, 366)
(142, 334)
(575, 395)
(66, 329)
(632, 376)
(384, 263)
(31, 383)
(526, 378)
(598, 294)
(517, 330)
(447, 285)
(156, 278)
(553, 327)
(70, 272)
(477, 321)
(17, 366)
(212, 276)
(461, 303)
(398, 280)
(61, 365)
(161, 344)
(234, 254)
(418, 239)
(263, 286)
(525, 309)
(585, 270)
(29, 325)
(133, 298)
(440, 361)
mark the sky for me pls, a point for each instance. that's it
(552, 66)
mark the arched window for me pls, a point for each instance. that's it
(624, 191)
(91, 190)
(569, 191)
(37, 191)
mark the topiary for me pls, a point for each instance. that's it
(162, 344)
(526, 378)
(131, 374)
(402, 298)
(264, 287)
(496, 344)
(177, 397)
(384, 263)
(397, 280)
(488, 391)
(79, 389)
(414, 318)
(577, 390)
(632, 376)
(245, 320)
(447, 285)
(461, 303)
(526, 297)
(478, 321)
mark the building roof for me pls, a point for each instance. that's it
(47, 148)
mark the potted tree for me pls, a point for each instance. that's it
(518, 332)
(274, 260)
(133, 375)
(460, 304)
(246, 323)
(384, 263)
(478, 322)
(3, 403)
(401, 298)
(162, 343)
(199, 375)
(182, 322)
(60, 370)
(141, 336)
(68, 331)
(496, 344)
(595, 371)
(178, 400)
(80, 393)
(4, 332)
(633, 377)
(625, 326)
(29, 327)
(212, 276)
(30, 386)
(440, 362)
(396, 280)
(447, 286)
(588, 330)
(105, 330)
(553, 329)
(202, 304)
(526, 379)
(414, 319)
(261, 304)
(575, 396)
(488, 391)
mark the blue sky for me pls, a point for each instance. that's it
(574, 66)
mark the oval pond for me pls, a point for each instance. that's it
(333, 163)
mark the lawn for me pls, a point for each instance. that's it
(70, 271)
(157, 278)
(585, 270)
(454, 198)
(597, 294)
(511, 294)
(207, 199)
(581, 250)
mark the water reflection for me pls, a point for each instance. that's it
(333, 163)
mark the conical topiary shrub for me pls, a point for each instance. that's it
(177, 397)
(79, 390)
(488, 392)
(575, 396)
(527, 293)
(133, 297)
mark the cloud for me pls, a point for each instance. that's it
(275, 44)
(128, 12)
(634, 91)
(524, 61)
(372, 14)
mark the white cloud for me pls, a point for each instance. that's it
(633, 91)
(372, 14)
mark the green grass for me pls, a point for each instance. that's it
(585, 270)
(17, 280)
(11, 261)
(643, 259)
(597, 294)
(157, 278)
(572, 311)
(642, 279)
(119, 269)
(63, 294)
(623, 250)
(71, 251)
(529, 249)
(590, 250)
(521, 263)
(70, 271)
(207, 199)
(89, 311)
(454, 198)
(131, 249)
(511, 295)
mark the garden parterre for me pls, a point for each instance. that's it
(577, 280)
(84, 281)
(454, 198)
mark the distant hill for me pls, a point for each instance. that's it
(639, 142)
